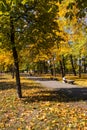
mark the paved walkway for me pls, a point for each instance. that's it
(71, 91)
(75, 91)
(55, 84)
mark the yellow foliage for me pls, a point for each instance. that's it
(41, 57)
(6, 58)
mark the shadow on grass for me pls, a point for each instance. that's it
(3, 78)
(27, 86)
(6, 85)
(59, 95)
(10, 85)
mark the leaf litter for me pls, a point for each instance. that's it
(38, 111)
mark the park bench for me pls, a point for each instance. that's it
(68, 81)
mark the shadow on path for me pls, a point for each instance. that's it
(60, 95)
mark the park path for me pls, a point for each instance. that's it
(52, 83)
(55, 84)
(70, 90)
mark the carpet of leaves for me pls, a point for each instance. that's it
(39, 109)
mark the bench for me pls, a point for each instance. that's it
(68, 81)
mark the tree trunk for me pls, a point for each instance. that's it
(84, 70)
(45, 67)
(73, 68)
(61, 67)
(63, 64)
(13, 72)
(15, 56)
(79, 68)
(54, 69)
(51, 69)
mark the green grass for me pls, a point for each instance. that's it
(39, 109)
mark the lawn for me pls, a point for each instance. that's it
(39, 109)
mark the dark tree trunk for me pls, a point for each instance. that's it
(84, 70)
(79, 68)
(54, 69)
(63, 64)
(51, 69)
(61, 67)
(13, 73)
(45, 67)
(15, 56)
(73, 68)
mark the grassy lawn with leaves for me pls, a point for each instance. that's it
(39, 109)
(79, 81)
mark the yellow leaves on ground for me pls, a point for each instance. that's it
(40, 109)
(81, 82)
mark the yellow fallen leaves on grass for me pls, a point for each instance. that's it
(39, 109)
